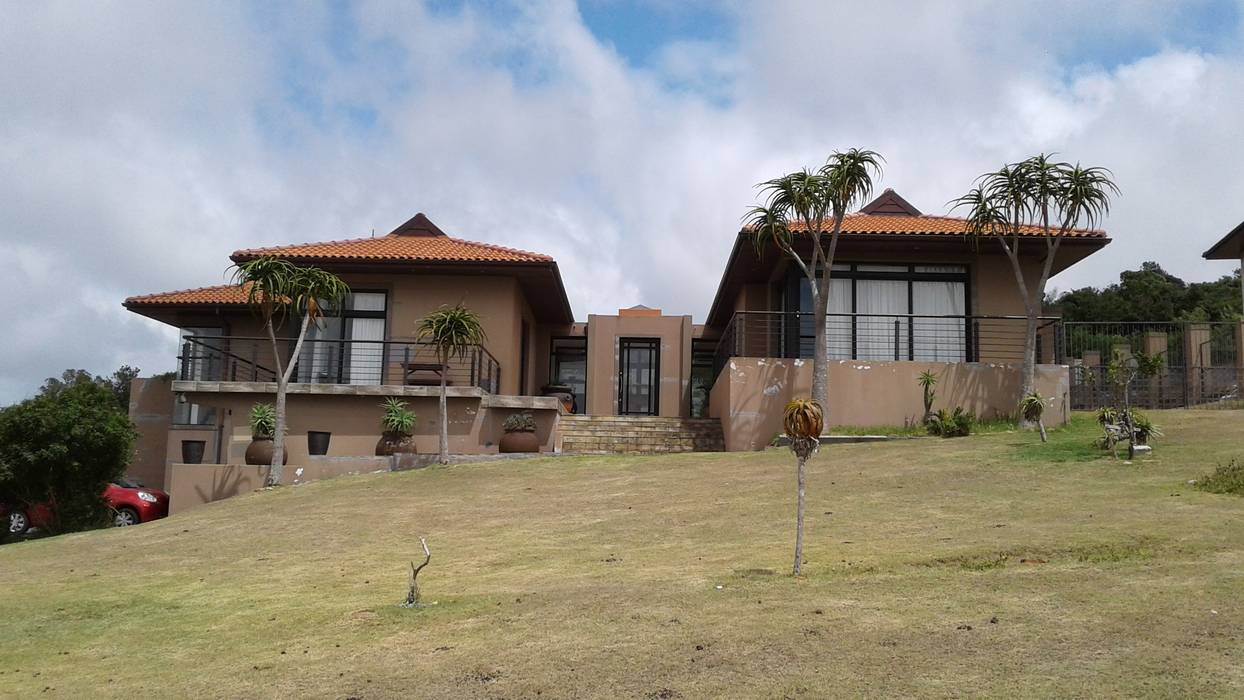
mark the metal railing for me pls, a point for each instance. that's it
(1201, 362)
(359, 362)
(911, 337)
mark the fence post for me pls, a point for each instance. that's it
(1196, 357)
(897, 326)
(1154, 344)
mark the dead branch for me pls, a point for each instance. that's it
(412, 595)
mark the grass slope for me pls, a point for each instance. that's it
(983, 566)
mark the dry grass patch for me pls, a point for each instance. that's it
(981, 566)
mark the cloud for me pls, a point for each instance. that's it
(141, 143)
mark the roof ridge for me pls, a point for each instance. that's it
(306, 243)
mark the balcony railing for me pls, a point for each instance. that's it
(886, 337)
(359, 362)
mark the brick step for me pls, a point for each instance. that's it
(639, 435)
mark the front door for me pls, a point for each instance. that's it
(639, 373)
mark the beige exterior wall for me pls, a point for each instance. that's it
(749, 395)
(354, 422)
(673, 332)
(151, 410)
(193, 485)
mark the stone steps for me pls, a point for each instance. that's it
(639, 434)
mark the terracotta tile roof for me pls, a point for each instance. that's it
(219, 294)
(417, 240)
(925, 225)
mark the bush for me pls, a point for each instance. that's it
(1227, 478)
(263, 420)
(519, 423)
(948, 424)
(64, 449)
(397, 418)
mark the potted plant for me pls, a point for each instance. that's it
(263, 425)
(317, 442)
(398, 422)
(520, 434)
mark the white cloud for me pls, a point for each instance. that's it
(140, 144)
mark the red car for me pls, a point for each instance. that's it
(131, 504)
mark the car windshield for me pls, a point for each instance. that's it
(126, 482)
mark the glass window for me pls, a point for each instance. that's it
(202, 360)
(349, 348)
(569, 358)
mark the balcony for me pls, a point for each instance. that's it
(880, 337)
(354, 363)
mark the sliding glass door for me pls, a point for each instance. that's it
(347, 349)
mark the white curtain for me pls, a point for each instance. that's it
(366, 359)
(939, 339)
(881, 337)
(838, 328)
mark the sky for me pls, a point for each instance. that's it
(142, 142)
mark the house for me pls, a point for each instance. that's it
(909, 294)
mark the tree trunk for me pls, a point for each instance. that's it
(278, 436)
(444, 457)
(1041, 427)
(820, 352)
(803, 479)
(1029, 366)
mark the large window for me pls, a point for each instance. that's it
(890, 312)
(347, 349)
(639, 376)
(203, 362)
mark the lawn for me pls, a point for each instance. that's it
(981, 566)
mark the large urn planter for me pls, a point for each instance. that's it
(259, 452)
(317, 442)
(519, 441)
(520, 434)
(392, 443)
(192, 451)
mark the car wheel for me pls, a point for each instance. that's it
(18, 523)
(125, 517)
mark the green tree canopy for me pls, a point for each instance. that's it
(64, 447)
(1152, 294)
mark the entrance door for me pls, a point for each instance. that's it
(639, 371)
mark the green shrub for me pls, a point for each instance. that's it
(64, 448)
(951, 424)
(519, 423)
(1227, 478)
(263, 420)
(397, 418)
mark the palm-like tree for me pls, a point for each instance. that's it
(452, 331)
(277, 289)
(1041, 195)
(802, 204)
(803, 421)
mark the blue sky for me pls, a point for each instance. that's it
(141, 142)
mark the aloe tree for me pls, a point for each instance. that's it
(452, 331)
(803, 420)
(277, 290)
(811, 205)
(1036, 198)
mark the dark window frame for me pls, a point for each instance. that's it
(553, 365)
(793, 333)
(654, 395)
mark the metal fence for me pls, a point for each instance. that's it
(358, 362)
(1201, 365)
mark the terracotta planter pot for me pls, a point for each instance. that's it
(192, 451)
(317, 442)
(392, 443)
(259, 452)
(519, 442)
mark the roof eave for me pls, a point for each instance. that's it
(1220, 250)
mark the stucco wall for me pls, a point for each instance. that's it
(750, 393)
(151, 410)
(674, 333)
(192, 485)
(354, 422)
